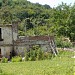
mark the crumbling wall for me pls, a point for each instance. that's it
(5, 51)
(7, 35)
(15, 30)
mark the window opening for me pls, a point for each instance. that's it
(0, 34)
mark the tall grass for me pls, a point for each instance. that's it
(63, 64)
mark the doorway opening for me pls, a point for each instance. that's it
(0, 53)
(1, 35)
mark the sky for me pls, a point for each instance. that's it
(52, 3)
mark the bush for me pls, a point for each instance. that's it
(36, 53)
(48, 55)
(60, 42)
(40, 54)
(4, 60)
(32, 55)
(26, 56)
(16, 59)
(67, 44)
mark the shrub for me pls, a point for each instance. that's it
(32, 55)
(16, 59)
(36, 53)
(67, 44)
(26, 56)
(48, 55)
(39, 54)
(60, 42)
(4, 60)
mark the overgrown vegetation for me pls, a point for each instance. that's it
(62, 43)
(63, 64)
(36, 19)
(36, 53)
(4, 60)
(16, 59)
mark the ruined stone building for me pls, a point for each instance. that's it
(9, 41)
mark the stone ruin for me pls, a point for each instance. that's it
(10, 41)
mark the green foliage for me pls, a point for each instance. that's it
(60, 65)
(35, 17)
(0, 3)
(60, 42)
(16, 59)
(47, 6)
(39, 54)
(36, 53)
(48, 55)
(65, 53)
(26, 56)
(1, 71)
(4, 60)
(67, 44)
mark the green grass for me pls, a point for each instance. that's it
(63, 64)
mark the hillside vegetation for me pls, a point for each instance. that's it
(36, 19)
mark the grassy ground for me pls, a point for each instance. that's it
(63, 64)
(74, 63)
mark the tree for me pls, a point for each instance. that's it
(47, 6)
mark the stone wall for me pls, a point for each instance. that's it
(11, 41)
(5, 51)
(25, 43)
(7, 35)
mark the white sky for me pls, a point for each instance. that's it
(52, 3)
